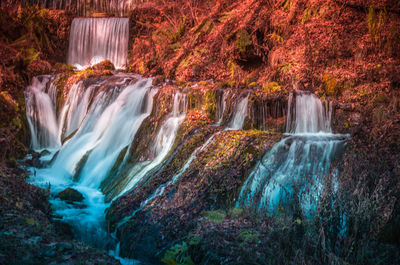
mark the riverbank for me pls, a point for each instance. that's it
(28, 232)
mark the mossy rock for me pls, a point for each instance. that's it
(104, 65)
(70, 195)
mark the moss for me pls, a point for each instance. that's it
(210, 103)
(287, 5)
(243, 40)
(286, 67)
(271, 88)
(307, 14)
(234, 70)
(205, 27)
(5, 96)
(226, 16)
(331, 86)
(216, 216)
(249, 236)
(178, 255)
(170, 33)
(376, 24)
(194, 240)
(225, 84)
(276, 37)
(236, 212)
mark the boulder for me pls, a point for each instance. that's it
(103, 66)
(70, 195)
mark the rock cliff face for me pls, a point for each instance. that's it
(223, 71)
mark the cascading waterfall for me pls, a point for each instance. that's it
(160, 190)
(105, 117)
(221, 107)
(40, 100)
(240, 114)
(308, 114)
(163, 143)
(93, 40)
(294, 172)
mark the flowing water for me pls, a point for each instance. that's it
(93, 40)
(41, 113)
(105, 117)
(95, 125)
(221, 107)
(240, 114)
(160, 190)
(294, 173)
(163, 142)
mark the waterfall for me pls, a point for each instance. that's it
(160, 190)
(293, 174)
(240, 114)
(221, 106)
(88, 7)
(103, 118)
(163, 143)
(93, 40)
(309, 114)
(40, 101)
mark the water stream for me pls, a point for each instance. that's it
(240, 114)
(93, 40)
(294, 173)
(105, 117)
(97, 121)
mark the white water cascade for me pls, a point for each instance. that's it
(93, 40)
(294, 173)
(40, 99)
(240, 114)
(221, 107)
(103, 118)
(163, 143)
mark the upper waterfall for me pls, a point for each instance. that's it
(308, 114)
(93, 40)
(88, 7)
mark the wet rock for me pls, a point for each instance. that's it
(103, 66)
(34, 161)
(45, 153)
(70, 195)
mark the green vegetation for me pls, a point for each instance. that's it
(178, 255)
(249, 236)
(216, 216)
(271, 88)
(243, 40)
(376, 22)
